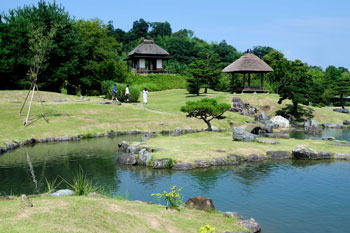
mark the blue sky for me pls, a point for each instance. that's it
(314, 31)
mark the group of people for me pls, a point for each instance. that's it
(127, 94)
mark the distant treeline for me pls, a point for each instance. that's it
(84, 53)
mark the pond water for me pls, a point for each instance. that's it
(338, 134)
(288, 196)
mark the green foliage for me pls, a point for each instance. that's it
(173, 199)
(134, 92)
(63, 91)
(51, 186)
(205, 109)
(193, 85)
(106, 88)
(80, 184)
(207, 229)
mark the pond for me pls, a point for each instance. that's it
(338, 134)
(288, 196)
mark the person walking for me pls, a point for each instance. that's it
(145, 94)
(127, 93)
(114, 93)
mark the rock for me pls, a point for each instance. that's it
(341, 110)
(305, 153)
(281, 121)
(105, 102)
(328, 138)
(242, 135)
(346, 122)
(237, 105)
(236, 232)
(165, 132)
(261, 116)
(200, 203)
(25, 202)
(18, 142)
(221, 162)
(127, 159)
(342, 156)
(75, 137)
(133, 149)
(325, 155)
(144, 157)
(62, 192)
(42, 140)
(233, 215)
(270, 142)
(250, 225)
(61, 139)
(95, 194)
(183, 166)
(331, 125)
(2, 150)
(269, 127)
(216, 129)
(274, 155)
(50, 139)
(236, 158)
(162, 163)
(123, 145)
(118, 133)
(10, 145)
(57, 100)
(202, 164)
(256, 158)
(133, 132)
(99, 135)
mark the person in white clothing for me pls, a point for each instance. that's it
(144, 94)
(127, 93)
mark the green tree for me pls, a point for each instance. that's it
(206, 110)
(261, 51)
(338, 83)
(160, 29)
(296, 86)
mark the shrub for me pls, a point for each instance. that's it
(80, 184)
(206, 229)
(173, 198)
(106, 88)
(134, 92)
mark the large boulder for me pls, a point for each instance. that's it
(222, 161)
(200, 203)
(237, 105)
(233, 215)
(250, 225)
(242, 135)
(346, 122)
(281, 121)
(183, 166)
(144, 157)
(128, 159)
(332, 125)
(305, 153)
(236, 158)
(274, 155)
(162, 163)
(62, 139)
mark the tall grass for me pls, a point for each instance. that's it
(80, 184)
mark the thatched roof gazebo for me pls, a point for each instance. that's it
(148, 57)
(247, 64)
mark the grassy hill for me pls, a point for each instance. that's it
(162, 112)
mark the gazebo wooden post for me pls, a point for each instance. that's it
(262, 81)
(248, 79)
(243, 80)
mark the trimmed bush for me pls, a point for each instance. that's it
(158, 82)
(134, 92)
(106, 88)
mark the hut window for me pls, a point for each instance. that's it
(142, 63)
(159, 63)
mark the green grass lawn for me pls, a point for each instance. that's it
(162, 112)
(87, 214)
(205, 146)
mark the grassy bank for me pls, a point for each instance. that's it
(162, 112)
(209, 145)
(85, 214)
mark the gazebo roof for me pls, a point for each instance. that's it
(248, 63)
(148, 48)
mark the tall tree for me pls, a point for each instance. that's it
(160, 29)
(261, 51)
(280, 66)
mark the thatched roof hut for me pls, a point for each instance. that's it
(248, 63)
(148, 48)
(148, 57)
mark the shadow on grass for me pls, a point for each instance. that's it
(303, 113)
